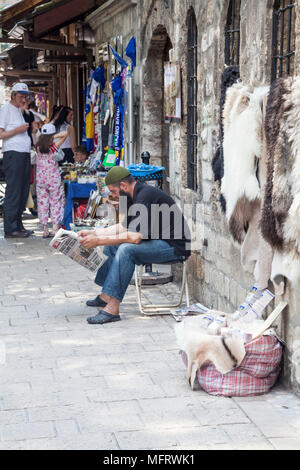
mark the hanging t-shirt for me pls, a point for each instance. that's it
(11, 117)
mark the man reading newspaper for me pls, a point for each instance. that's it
(153, 231)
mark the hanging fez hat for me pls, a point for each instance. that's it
(116, 174)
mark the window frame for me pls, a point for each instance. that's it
(233, 33)
(278, 54)
(192, 102)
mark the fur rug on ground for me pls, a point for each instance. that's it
(202, 348)
(242, 145)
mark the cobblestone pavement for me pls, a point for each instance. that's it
(65, 384)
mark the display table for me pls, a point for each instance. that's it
(75, 191)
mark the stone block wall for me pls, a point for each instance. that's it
(216, 277)
(117, 19)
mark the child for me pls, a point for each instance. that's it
(48, 181)
(81, 154)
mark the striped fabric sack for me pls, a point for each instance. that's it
(256, 375)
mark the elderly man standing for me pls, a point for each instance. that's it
(16, 161)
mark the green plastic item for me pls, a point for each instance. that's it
(110, 158)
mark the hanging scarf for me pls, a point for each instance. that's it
(89, 117)
(117, 87)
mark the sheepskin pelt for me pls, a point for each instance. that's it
(230, 76)
(242, 146)
(280, 222)
(202, 348)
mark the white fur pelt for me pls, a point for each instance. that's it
(286, 264)
(242, 145)
(202, 348)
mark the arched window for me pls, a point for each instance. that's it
(192, 89)
(232, 33)
(284, 40)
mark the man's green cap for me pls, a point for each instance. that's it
(116, 174)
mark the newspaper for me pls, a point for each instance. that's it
(68, 243)
(195, 309)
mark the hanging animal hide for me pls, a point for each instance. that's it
(281, 210)
(242, 144)
(230, 76)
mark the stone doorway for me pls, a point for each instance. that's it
(155, 132)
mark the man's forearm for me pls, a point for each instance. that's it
(113, 230)
(8, 134)
(92, 240)
(125, 237)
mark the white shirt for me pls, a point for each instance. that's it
(67, 142)
(38, 116)
(11, 117)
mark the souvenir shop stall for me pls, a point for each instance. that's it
(108, 138)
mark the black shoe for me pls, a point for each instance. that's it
(23, 229)
(103, 317)
(97, 302)
(17, 234)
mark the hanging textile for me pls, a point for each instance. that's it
(93, 98)
(89, 117)
(130, 51)
(118, 58)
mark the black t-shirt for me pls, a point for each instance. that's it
(155, 214)
(29, 118)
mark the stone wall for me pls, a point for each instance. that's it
(216, 277)
(215, 274)
(117, 18)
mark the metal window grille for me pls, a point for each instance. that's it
(284, 39)
(232, 33)
(192, 88)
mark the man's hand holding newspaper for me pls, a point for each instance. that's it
(89, 239)
(69, 243)
(110, 236)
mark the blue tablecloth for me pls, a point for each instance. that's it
(74, 191)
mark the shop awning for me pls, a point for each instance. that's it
(40, 16)
(19, 58)
(66, 12)
(17, 12)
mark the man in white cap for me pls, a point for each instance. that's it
(16, 161)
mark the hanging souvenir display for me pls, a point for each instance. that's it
(105, 108)
(88, 134)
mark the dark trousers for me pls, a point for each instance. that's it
(16, 167)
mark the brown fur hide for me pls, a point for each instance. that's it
(281, 205)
